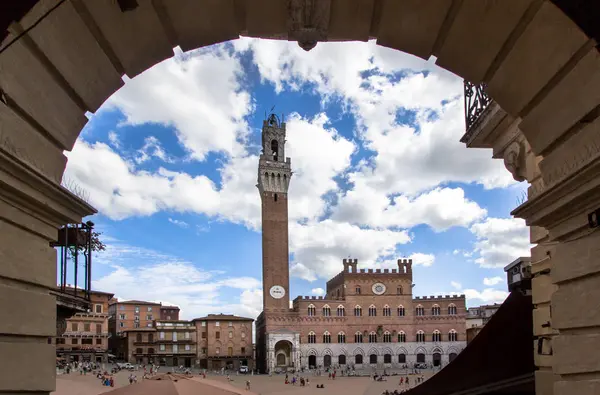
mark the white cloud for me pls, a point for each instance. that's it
(420, 259)
(441, 208)
(500, 241)
(490, 281)
(317, 291)
(197, 93)
(318, 155)
(376, 83)
(319, 248)
(486, 296)
(170, 280)
(152, 149)
(179, 223)
(114, 139)
(456, 285)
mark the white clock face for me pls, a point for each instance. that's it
(277, 292)
(378, 288)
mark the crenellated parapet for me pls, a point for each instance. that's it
(439, 297)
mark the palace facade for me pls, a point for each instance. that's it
(368, 318)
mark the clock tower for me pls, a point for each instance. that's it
(274, 173)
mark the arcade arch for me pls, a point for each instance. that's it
(283, 353)
(546, 96)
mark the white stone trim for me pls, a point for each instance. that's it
(410, 349)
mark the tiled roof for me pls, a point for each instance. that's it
(136, 302)
(222, 317)
(169, 307)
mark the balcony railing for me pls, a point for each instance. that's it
(476, 102)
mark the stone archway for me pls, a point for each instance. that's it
(312, 361)
(283, 354)
(543, 121)
(437, 359)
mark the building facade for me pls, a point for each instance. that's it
(224, 341)
(169, 313)
(84, 336)
(368, 318)
(176, 343)
(125, 316)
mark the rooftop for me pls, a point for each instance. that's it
(135, 302)
(222, 317)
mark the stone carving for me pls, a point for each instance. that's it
(514, 160)
(308, 22)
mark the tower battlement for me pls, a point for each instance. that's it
(351, 266)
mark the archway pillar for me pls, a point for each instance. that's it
(566, 264)
(32, 207)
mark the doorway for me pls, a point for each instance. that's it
(312, 361)
(327, 361)
(437, 359)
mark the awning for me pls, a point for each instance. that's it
(499, 360)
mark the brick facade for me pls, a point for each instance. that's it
(224, 341)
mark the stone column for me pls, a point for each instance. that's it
(32, 207)
(566, 265)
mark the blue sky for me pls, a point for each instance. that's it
(170, 162)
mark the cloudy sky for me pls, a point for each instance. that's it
(170, 162)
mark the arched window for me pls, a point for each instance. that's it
(399, 290)
(387, 358)
(387, 312)
(341, 337)
(453, 336)
(401, 358)
(420, 311)
(312, 337)
(326, 311)
(341, 359)
(372, 337)
(358, 359)
(437, 336)
(312, 311)
(326, 337)
(435, 310)
(357, 289)
(357, 311)
(420, 337)
(341, 311)
(387, 337)
(372, 311)
(275, 149)
(373, 358)
(358, 337)
(401, 311)
(401, 337)
(138, 337)
(452, 309)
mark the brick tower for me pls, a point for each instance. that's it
(274, 172)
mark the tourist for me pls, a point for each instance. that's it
(247, 385)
